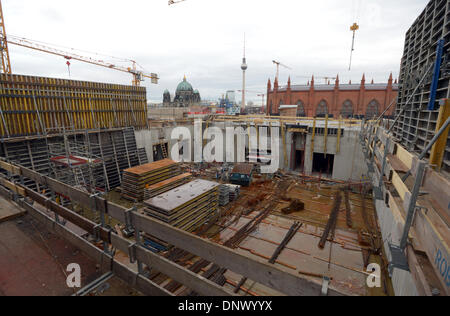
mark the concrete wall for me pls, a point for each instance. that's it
(349, 163)
(391, 230)
(391, 225)
(148, 138)
(350, 151)
(143, 140)
(166, 113)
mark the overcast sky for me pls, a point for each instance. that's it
(204, 39)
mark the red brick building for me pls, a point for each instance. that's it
(348, 100)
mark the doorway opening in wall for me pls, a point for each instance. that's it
(160, 151)
(323, 164)
(299, 161)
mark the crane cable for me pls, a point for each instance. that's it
(75, 50)
(356, 10)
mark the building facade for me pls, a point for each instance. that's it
(346, 100)
(185, 96)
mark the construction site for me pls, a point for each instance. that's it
(354, 206)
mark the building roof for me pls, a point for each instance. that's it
(348, 87)
(184, 86)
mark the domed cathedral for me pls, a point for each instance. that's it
(185, 96)
(166, 98)
(359, 100)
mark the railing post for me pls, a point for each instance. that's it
(94, 200)
(131, 227)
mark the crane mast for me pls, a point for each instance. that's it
(278, 67)
(4, 52)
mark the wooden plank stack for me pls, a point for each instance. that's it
(187, 207)
(166, 185)
(136, 179)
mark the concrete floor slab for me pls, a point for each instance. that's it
(33, 260)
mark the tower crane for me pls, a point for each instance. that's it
(4, 53)
(353, 28)
(258, 94)
(251, 91)
(175, 1)
(278, 67)
(356, 12)
(262, 104)
(138, 75)
(320, 77)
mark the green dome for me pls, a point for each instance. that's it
(166, 91)
(184, 86)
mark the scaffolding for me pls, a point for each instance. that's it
(417, 110)
(74, 161)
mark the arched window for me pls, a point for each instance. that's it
(372, 109)
(281, 102)
(347, 109)
(322, 109)
(300, 109)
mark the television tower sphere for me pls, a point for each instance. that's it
(244, 64)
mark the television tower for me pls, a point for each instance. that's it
(244, 68)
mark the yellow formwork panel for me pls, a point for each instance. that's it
(37, 105)
(438, 149)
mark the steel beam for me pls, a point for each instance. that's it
(412, 204)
